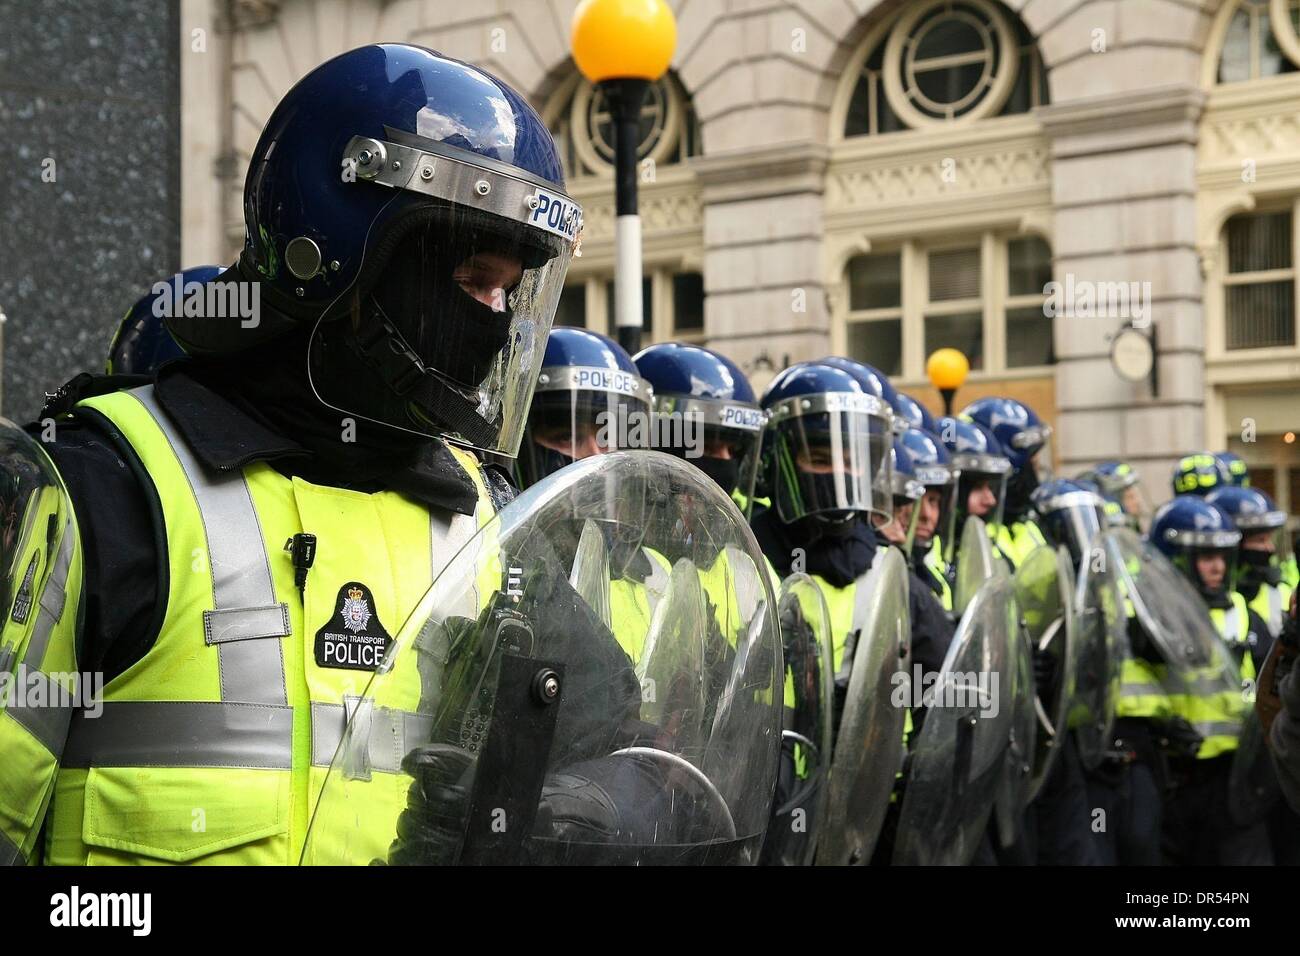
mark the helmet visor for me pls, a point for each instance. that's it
(721, 438)
(568, 423)
(831, 455)
(445, 331)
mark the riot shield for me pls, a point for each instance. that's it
(1253, 788)
(1045, 594)
(1173, 616)
(1102, 638)
(869, 748)
(508, 724)
(976, 563)
(802, 790)
(959, 757)
(36, 540)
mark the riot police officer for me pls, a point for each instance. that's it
(1022, 436)
(1201, 541)
(932, 464)
(1199, 474)
(705, 405)
(589, 399)
(1121, 481)
(1236, 467)
(385, 316)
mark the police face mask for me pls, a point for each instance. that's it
(724, 471)
(1258, 567)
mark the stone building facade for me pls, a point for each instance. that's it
(880, 178)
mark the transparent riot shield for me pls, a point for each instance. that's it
(509, 724)
(869, 747)
(1045, 594)
(36, 540)
(802, 791)
(1174, 616)
(1253, 788)
(959, 758)
(1102, 639)
(976, 563)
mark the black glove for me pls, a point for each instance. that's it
(431, 830)
(1177, 737)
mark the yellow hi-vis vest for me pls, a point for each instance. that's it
(1217, 714)
(1017, 540)
(1142, 690)
(1271, 602)
(938, 569)
(37, 661)
(214, 746)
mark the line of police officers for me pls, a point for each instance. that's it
(409, 299)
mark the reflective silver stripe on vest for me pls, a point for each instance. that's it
(389, 736)
(656, 582)
(1230, 628)
(163, 733)
(251, 669)
(1141, 690)
(1273, 598)
(49, 722)
(11, 854)
(1217, 729)
(53, 600)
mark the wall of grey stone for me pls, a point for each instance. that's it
(90, 196)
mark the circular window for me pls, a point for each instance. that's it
(948, 60)
(593, 126)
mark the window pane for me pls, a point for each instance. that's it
(878, 343)
(1029, 264)
(858, 120)
(572, 309)
(964, 332)
(1029, 337)
(954, 274)
(1234, 64)
(1271, 60)
(688, 302)
(874, 282)
(1261, 314)
(1259, 242)
(646, 313)
(1263, 479)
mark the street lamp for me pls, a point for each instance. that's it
(947, 370)
(622, 46)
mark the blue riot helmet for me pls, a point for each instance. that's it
(1022, 435)
(909, 413)
(1236, 467)
(982, 470)
(1261, 523)
(907, 491)
(706, 412)
(1112, 508)
(589, 400)
(825, 447)
(1189, 528)
(1120, 481)
(142, 343)
(1070, 514)
(406, 224)
(933, 467)
(873, 381)
(1199, 474)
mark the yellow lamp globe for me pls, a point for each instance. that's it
(623, 39)
(947, 368)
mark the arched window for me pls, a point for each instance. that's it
(1250, 49)
(579, 118)
(940, 61)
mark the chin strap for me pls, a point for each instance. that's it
(383, 348)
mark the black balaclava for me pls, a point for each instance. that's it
(840, 552)
(269, 384)
(1255, 569)
(724, 471)
(1020, 487)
